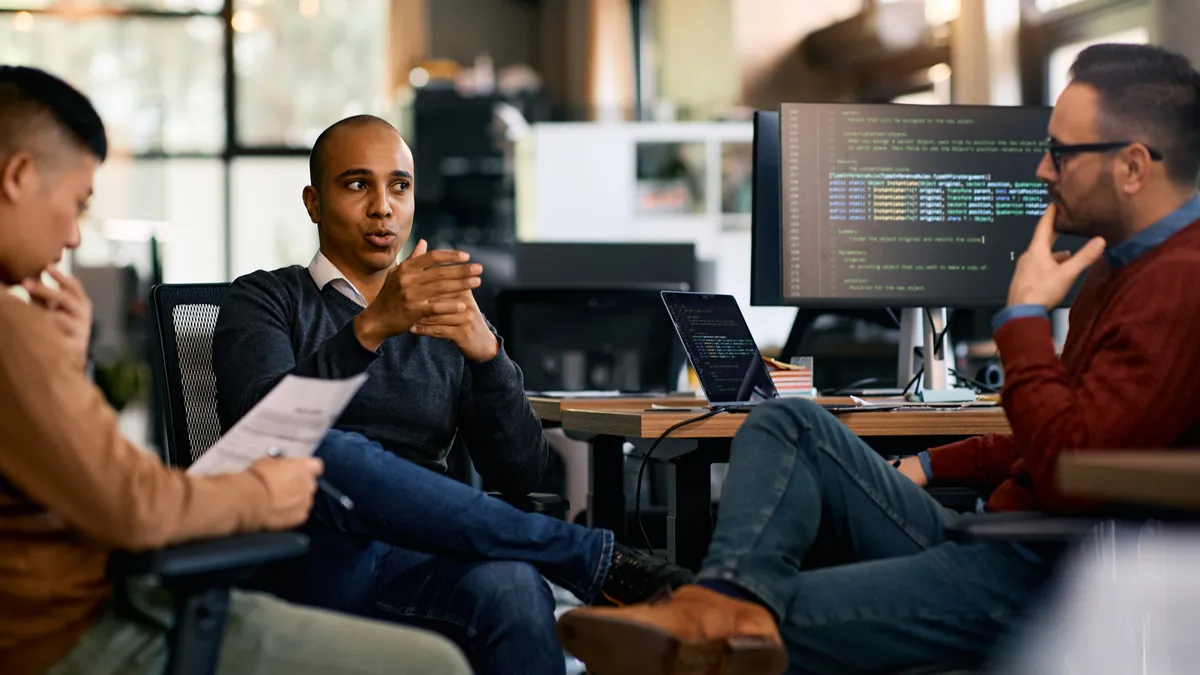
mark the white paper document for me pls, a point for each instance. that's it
(292, 418)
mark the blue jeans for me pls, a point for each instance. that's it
(851, 556)
(422, 549)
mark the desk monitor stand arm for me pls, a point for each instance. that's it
(920, 327)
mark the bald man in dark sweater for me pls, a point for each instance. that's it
(418, 547)
(1122, 167)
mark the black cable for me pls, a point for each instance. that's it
(637, 500)
(857, 384)
(895, 318)
(983, 388)
(913, 381)
(945, 330)
(939, 338)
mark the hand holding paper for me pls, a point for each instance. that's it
(290, 485)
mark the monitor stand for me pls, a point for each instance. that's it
(919, 327)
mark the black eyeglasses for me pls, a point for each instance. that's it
(1057, 150)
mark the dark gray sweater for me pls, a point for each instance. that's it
(419, 392)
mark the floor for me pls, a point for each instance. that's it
(564, 601)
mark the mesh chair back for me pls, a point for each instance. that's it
(186, 316)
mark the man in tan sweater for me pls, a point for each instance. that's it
(72, 489)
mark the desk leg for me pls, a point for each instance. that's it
(689, 514)
(606, 484)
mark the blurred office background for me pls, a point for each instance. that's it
(618, 121)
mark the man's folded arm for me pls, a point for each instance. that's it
(252, 347)
(501, 431)
(61, 448)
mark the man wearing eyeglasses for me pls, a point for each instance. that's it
(827, 559)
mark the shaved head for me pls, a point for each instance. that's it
(46, 116)
(51, 141)
(361, 197)
(317, 158)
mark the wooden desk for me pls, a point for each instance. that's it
(609, 425)
(633, 421)
(1149, 478)
(551, 409)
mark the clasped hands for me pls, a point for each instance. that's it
(429, 294)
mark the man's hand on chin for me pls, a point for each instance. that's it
(467, 329)
(69, 307)
(1044, 276)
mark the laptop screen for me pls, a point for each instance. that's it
(720, 347)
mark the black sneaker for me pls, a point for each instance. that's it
(635, 577)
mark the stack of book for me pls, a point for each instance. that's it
(792, 380)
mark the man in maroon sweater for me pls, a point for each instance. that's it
(827, 556)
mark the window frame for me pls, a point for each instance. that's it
(1043, 32)
(233, 148)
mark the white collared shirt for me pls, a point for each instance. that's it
(324, 273)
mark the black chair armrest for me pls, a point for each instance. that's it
(1036, 527)
(956, 498)
(1025, 527)
(211, 557)
(200, 575)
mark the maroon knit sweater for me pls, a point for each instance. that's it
(1129, 378)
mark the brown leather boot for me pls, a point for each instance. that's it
(694, 632)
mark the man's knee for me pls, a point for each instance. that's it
(796, 425)
(789, 416)
(336, 440)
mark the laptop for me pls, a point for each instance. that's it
(720, 348)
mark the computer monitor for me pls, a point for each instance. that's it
(907, 206)
(766, 282)
(576, 339)
(592, 264)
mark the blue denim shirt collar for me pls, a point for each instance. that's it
(1134, 247)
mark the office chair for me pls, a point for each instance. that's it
(199, 576)
(185, 319)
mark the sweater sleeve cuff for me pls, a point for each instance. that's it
(499, 372)
(347, 355)
(926, 465)
(1017, 312)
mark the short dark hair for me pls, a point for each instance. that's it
(1147, 94)
(27, 94)
(316, 158)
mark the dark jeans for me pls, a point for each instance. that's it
(425, 550)
(852, 556)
